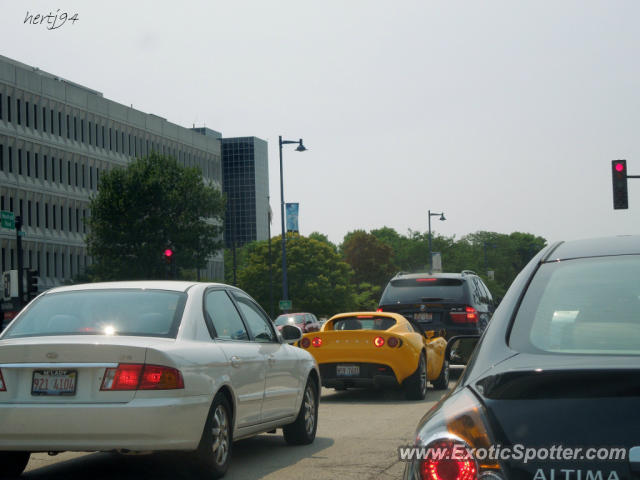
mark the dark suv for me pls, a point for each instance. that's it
(458, 303)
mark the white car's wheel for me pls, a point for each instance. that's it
(214, 451)
(303, 430)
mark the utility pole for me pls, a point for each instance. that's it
(20, 261)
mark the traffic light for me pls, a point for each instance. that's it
(619, 177)
(32, 283)
(168, 255)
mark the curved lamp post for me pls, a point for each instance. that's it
(299, 148)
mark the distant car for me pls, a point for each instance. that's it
(456, 303)
(150, 366)
(363, 349)
(307, 322)
(553, 387)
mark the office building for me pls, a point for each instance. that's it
(56, 139)
(245, 174)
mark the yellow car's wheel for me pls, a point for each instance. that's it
(415, 386)
(442, 382)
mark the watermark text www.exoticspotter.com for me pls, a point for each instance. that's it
(517, 452)
(52, 21)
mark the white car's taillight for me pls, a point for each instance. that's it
(138, 376)
(3, 387)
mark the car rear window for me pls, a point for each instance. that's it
(581, 306)
(137, 312)
(289, 319)
(361, 322)
(413, 290)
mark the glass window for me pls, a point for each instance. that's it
(409, 290)
(222, 317)
(137, 312)
(363, 322)
(290, 319)
(581, 306)
(259, 324)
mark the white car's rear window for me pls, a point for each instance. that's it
(139, 312)
(582, 306)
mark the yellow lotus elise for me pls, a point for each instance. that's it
(380, 349)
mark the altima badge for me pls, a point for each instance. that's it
(52, 355)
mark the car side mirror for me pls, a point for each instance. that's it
(460, 348)
(291, 333)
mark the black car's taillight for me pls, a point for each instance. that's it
(448, 439)
(466, 315)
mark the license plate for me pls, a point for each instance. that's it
(54, 382)
(347, 370)
(423, 316)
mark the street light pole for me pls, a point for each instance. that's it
(300, 148)
(434, 214)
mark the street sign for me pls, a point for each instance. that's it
(8, 220)
(285, 305)
(9, 285)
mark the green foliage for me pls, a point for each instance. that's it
(318, 280)
(142, 209)
(321, 237)
(241, 260)
(326, 280)
(366, 297)
(371, 259)
(503, 254)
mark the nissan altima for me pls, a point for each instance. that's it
(150, 366)
(552, 390)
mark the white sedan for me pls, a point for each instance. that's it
(149, 366)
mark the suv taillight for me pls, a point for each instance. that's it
(468, 315)
(3, 387)
(137, 376)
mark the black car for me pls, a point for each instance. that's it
(552, 390)
(456, 303)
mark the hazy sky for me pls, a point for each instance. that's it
(503, 114)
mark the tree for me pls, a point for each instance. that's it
(153, 204)
(371, 259)
(318, 280)
(321, 237)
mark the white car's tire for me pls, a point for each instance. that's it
(214, 452)
(303, 430)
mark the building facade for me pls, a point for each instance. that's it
(56, 139)
(246, 185)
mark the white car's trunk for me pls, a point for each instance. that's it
(67, 369)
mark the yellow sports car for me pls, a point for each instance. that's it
(380, 349)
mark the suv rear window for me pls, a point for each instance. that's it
(581, 306)
(139, 312)
(412, 290)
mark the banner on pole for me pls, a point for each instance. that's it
(292, 217)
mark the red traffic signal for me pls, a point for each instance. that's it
(168, 253)
(619, 178)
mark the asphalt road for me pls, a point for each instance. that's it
(358, 435)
